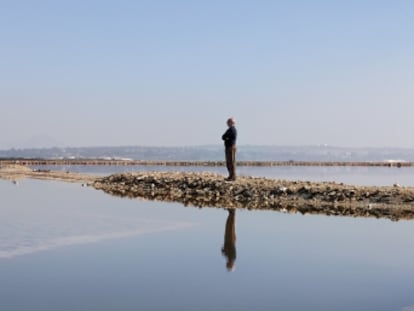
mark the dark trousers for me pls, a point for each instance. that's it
(231, 161)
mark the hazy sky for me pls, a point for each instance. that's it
(80, 73)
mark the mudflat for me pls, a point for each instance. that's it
(16, 172)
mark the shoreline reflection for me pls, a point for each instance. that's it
(229, 247)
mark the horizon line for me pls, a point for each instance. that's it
(206, 146)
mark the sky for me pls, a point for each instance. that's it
(169, 73)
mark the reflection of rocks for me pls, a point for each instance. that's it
(208, 189)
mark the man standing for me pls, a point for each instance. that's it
(229, 138)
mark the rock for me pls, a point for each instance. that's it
(208, 189)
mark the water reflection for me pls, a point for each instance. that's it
(334, 263)
(229, 247)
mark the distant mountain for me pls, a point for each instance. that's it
(216, 152)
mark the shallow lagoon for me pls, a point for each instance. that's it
(378, 176)
(67, 247)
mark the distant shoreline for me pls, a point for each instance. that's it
(104, 162)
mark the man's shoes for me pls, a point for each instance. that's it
(230, 179)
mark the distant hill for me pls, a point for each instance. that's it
(216, 152)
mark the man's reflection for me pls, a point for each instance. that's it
(229, 247)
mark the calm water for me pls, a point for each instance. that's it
(67, 247)
(380, 176)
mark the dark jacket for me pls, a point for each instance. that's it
(230, 137)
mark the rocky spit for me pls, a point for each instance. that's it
(212, 190)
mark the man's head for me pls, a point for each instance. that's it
(231, 122)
